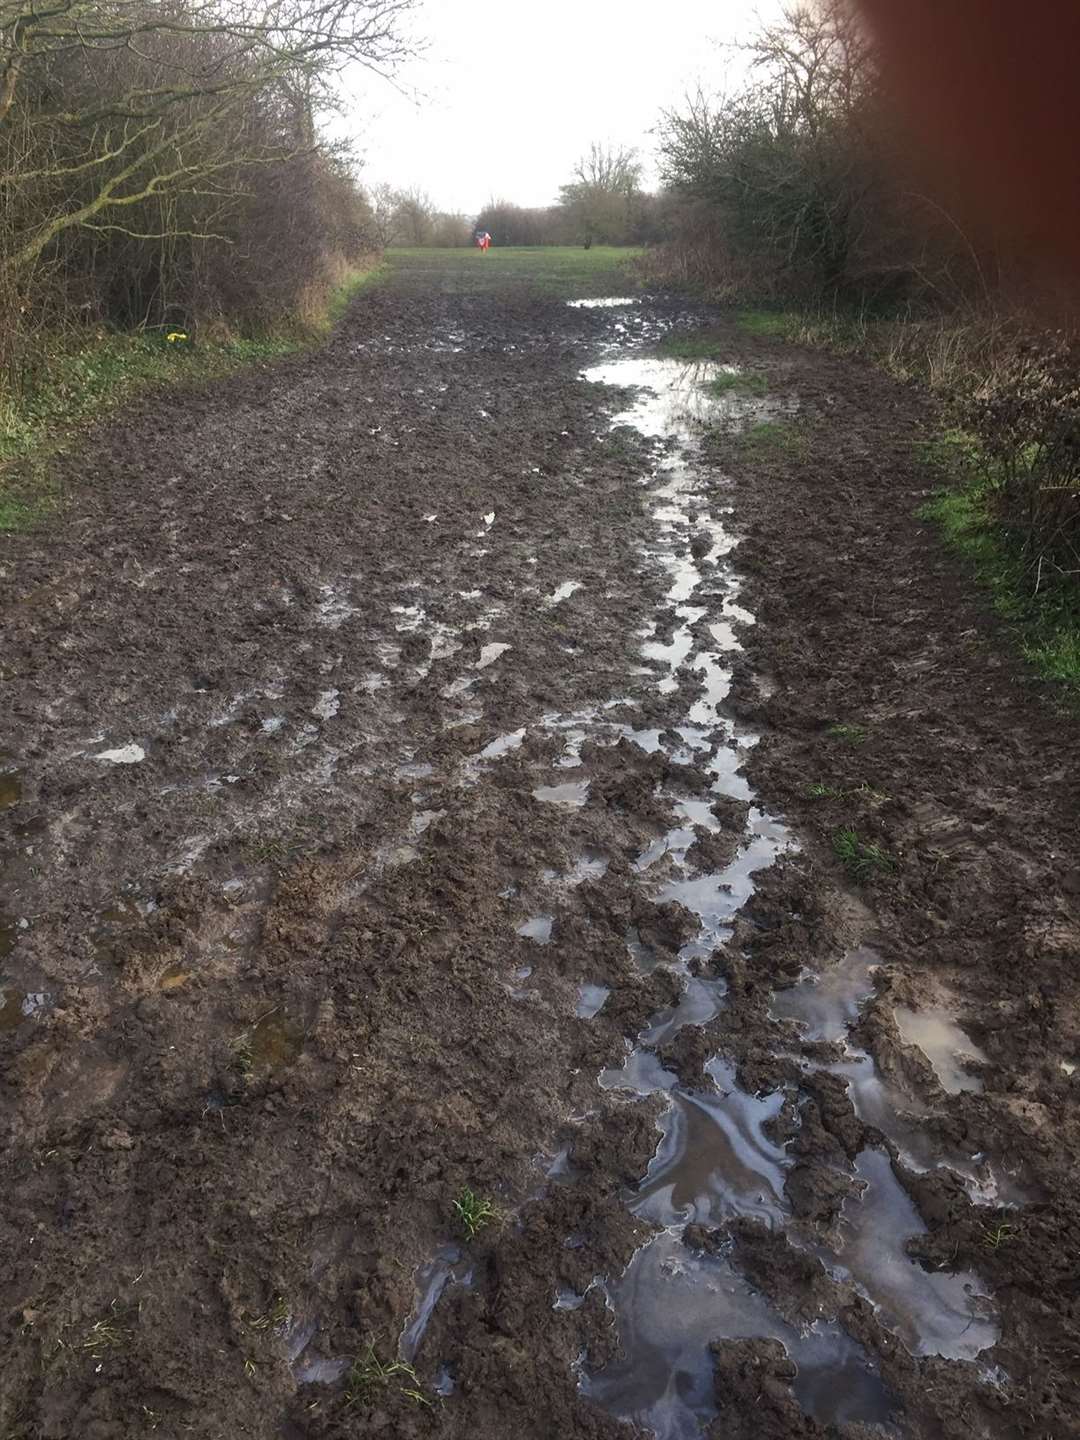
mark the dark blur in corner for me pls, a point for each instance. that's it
(991, 89)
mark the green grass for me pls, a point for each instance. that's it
(369, 1374)
(739, 382)
(270, 1319)
(820, 790)
(770, 439)
(77, 386)
(861, 858)
(563, 272)
(473, 1212)
(699, 345)
(843, 332)
(850, 734)
(347, 292)
(1046, 622)
(771, 324)
(994, 1236)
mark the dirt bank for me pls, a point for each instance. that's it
(382, 733)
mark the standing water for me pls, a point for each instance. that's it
(716, 1159)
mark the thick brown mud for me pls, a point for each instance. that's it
(421, 773)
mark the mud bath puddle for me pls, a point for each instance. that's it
(433, 873)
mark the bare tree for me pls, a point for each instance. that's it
(599, 201)
(383, 200)
(106, 105)
(608, 170)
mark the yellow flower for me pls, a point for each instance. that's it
(174, 336)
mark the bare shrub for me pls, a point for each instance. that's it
(1027, 415)
(161, 161)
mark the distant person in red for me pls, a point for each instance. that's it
(483, 240)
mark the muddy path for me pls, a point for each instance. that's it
(425, 764)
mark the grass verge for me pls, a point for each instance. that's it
(945, 355)
(85, 384)
(1045, 617)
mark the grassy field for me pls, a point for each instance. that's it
(561, 271)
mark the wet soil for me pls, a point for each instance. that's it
(398, 797)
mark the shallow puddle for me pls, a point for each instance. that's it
(276, 1042)
(944, 1044)
(446, 1268)
(671, 1304)
(590, 865)
(643, 1074)
(502, 744)
(608, 302)
(933, 1312)
(327, 705)
(700, 1002)
(716, 1158)
(537, 928)
(123, 755)
(562, 592)
(572, 795)
(591, 1000)
(825, 1004)
(490, 653)
(10, 789)
(714, 1161)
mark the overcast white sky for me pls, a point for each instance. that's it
(512, 93)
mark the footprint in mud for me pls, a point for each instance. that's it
(944, 1044)
(934, 1312)
(591, 1000)
(537, 928)
(571, 795)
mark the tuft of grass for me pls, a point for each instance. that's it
(849, 734)
(473, 1212)
(698, 345)
(820, 791)
(994, 1236)
(369, 1374)
(104, 1335)
(739, 382)
(771, 438)
(270, 1319)
(861, 858)
(243, 1054)
(275, 849)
